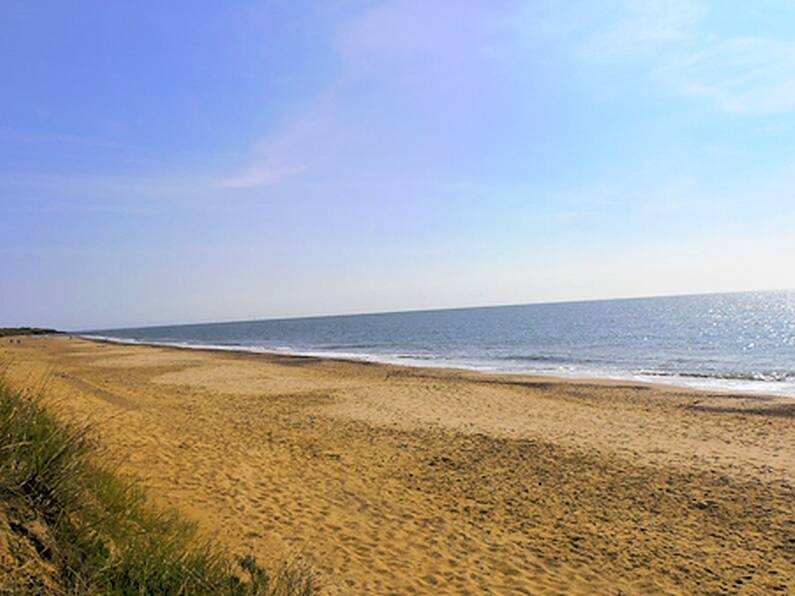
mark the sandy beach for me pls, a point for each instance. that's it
(394, 480)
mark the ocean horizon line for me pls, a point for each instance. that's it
(435, 309)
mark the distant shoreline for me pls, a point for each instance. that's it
(373, 360)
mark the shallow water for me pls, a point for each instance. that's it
(738, 342)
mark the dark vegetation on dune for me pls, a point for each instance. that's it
(9, 331)
(70, 524)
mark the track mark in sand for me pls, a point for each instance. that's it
(778, 410)
(294, 361)
(103, 394)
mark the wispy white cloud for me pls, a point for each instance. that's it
(743, 75)
(400, 30)
(642, 25)
(393, 30)
(419, 41)
(682, 49)
(259, 175)
(285, 153)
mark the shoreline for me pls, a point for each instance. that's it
(394, 479)
(694, 384)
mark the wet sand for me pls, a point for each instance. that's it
(395, 480)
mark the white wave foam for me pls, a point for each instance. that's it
(570, 372)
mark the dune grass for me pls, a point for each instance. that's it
(12, 331)
(75, 526)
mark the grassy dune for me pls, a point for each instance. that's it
(13, 331)
(71, 525)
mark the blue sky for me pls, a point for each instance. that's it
(193, 161)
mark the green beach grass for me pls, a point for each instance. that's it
(70, 524)
(13, 331)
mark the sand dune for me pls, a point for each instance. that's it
(397, 481)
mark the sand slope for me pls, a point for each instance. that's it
(400, 481)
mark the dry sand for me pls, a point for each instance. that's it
(396, 480)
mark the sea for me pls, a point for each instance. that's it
(741, 342)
